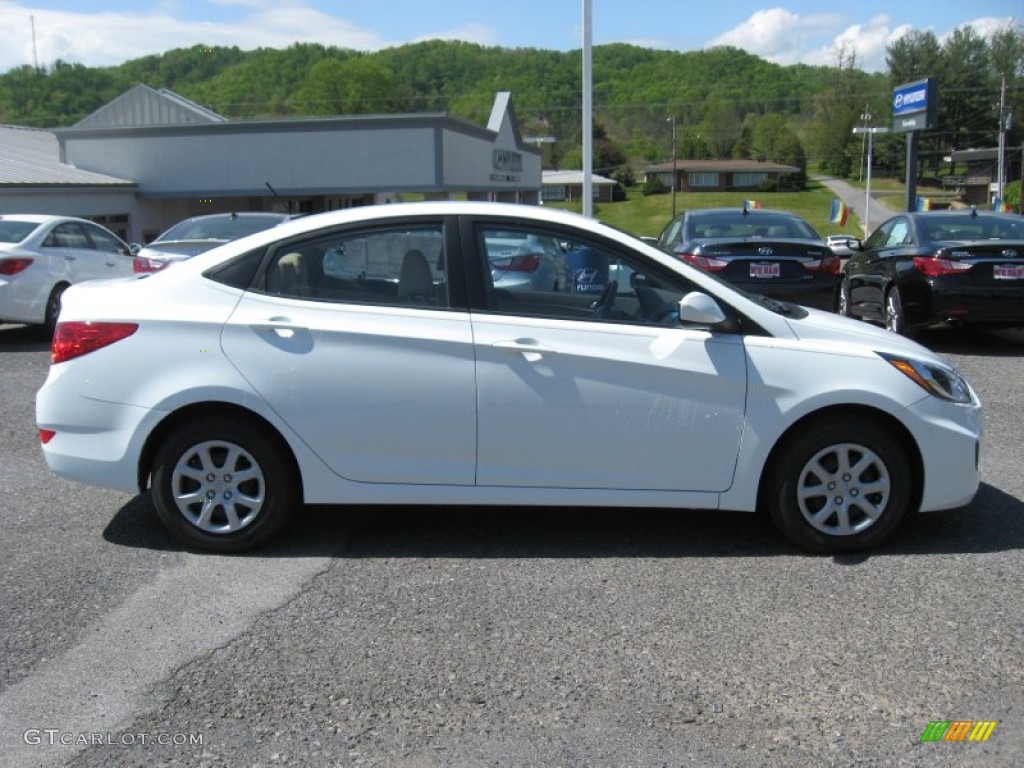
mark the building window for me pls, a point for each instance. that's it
(553, 192)
(748, 179)
(703, 179)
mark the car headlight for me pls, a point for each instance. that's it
(939, 380)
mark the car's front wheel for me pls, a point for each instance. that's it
(222, 485)
(843, 298)
(840, 487)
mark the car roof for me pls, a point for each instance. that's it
(742, 212)
(238, 215)
(39, 218)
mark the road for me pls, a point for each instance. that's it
(855, 200)
(462, 637)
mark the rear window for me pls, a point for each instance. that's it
(969, 227)
(739, 226)
(15, 231)
(220, 228)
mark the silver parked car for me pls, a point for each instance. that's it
(201, 233)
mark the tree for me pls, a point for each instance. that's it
(359, 85)
(721, 125)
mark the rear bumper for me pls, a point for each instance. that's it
(979, 305)
(819, 294)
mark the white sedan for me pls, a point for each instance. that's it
(41, 255)
(367, 357)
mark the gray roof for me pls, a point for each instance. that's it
(31, 157)
(574, 177)
(144, 106)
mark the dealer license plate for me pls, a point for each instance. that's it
(1008, 271)
(765, 270)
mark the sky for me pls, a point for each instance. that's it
(101, 33)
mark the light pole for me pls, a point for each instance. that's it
(870, 131)
(674, 180)
(865, 118)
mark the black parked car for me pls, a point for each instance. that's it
(926, 268)
(773, 253)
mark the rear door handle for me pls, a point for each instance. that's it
(530, 349)
(282, 326)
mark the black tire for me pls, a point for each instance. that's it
(52, 311)
(843, 298)
(895, 320)
(216, 510)
(840, 487)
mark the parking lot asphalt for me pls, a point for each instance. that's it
(530, 637)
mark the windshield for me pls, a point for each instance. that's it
(219, 228)
(15, 231)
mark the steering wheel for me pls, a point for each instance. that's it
(607, 300)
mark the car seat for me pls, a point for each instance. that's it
(415, 280)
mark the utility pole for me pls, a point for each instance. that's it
(675, 180)
(1004, 125)
(588, 121)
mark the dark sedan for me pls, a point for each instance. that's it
(773, 253)
(926, 268)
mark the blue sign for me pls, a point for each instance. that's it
(915, 106)
(910, 98)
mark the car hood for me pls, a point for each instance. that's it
(829, 328)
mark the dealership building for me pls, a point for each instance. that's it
(150, 158)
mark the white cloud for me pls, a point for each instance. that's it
(106, 39)
(777, 34)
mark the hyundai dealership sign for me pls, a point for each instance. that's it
(914, 105)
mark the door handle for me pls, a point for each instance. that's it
(282, 326)
(69, 257)
(531, 350)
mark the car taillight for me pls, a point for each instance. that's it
(141, 265)
(14, 266)
(46, 435)
(828, 264)
(707, 263)
(74, 339)
(525, 263)
(931, 266)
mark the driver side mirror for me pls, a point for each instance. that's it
(696, 308)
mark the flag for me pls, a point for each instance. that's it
(1001, 207)
(840, 213)
(924, 204)
(751, 203)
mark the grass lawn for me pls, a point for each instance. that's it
(641, 215)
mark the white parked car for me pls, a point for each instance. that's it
(40, 256)
(367, 357)
(840, 244)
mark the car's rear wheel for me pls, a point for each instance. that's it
(840, 487)
(222, 485)
(895, 320)
(52, 311)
